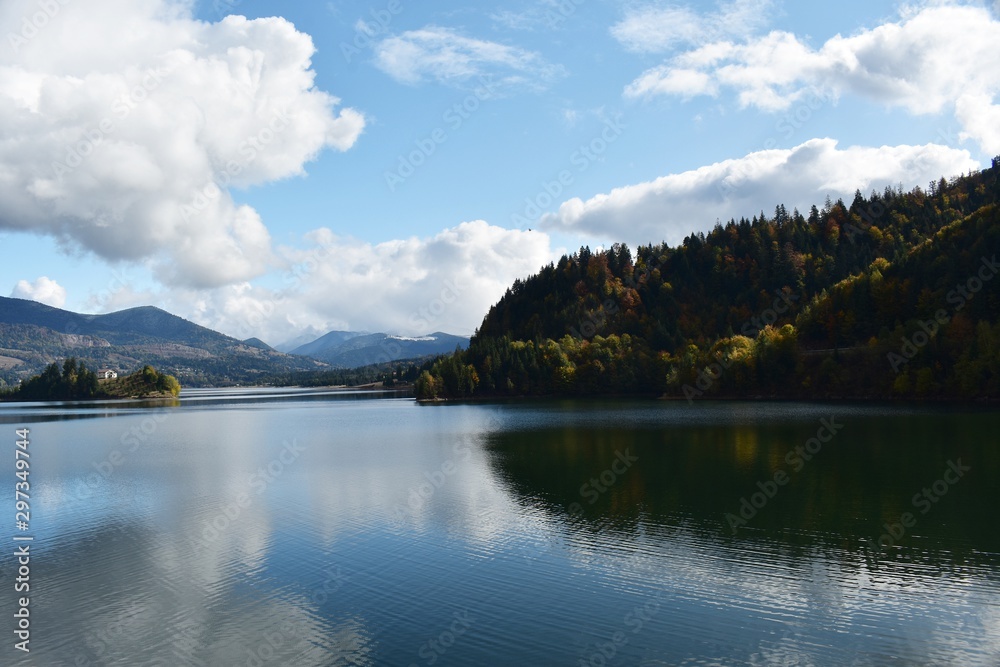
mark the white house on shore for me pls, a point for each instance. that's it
(107, 374)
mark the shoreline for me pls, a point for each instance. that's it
(96, 399)
(982, 402)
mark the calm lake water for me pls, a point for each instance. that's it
(272, 527)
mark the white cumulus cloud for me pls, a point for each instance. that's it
(43, 290)
(671, 207)
(940, 58)
(125, 122)
(980, 119)
(415, 286)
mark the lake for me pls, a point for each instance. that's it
(291, 527)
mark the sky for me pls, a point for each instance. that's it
(285, 169)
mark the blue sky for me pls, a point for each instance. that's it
(378, 165)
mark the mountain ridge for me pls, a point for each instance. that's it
(343, 349)
(33, 334)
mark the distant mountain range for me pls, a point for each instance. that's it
(307, 336)
(350, 349)
(33, 335)
(325, 343)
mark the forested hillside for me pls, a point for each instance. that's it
(891, 295)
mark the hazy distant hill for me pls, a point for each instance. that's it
(326, 343)
(347, 349)
(258, 343)
(307, 336)
(33, 335)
